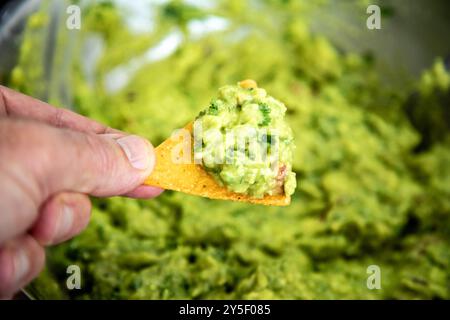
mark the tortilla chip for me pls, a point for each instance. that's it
(192, 179)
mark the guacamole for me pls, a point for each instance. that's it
(245, 142)
(366, 194)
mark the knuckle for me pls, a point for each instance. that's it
(58, 118)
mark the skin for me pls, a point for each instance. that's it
(51, 160)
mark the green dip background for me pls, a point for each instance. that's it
(372, 165)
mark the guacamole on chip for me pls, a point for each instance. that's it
(245, 143)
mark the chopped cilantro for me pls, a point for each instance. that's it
(213, 109)
(265, 110)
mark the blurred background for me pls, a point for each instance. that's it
(370, 114)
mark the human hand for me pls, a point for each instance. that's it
(50, 161)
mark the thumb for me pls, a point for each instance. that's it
(40, 160)
(121, 163)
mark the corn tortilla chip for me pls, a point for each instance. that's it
(192, 179)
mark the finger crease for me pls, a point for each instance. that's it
(107, 130)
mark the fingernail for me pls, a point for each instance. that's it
(65, 223)
(21, 265)
(138, 151)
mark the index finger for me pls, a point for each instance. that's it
(13, 103)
